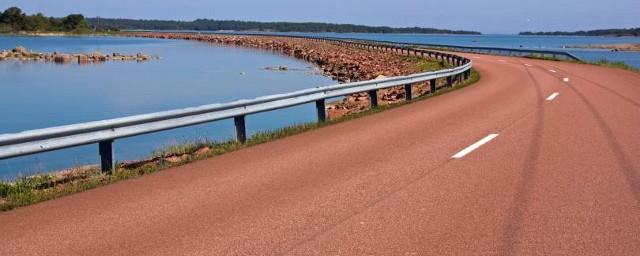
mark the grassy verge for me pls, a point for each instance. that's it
(615, 64)
(30, 190)
(420, 65)
(543, 57)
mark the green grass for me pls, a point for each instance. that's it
(421, 65)
(543, 57)
(615, 64)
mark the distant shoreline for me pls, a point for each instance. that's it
(57, 34)
(631, 47)
(615, 32)
(255, 26)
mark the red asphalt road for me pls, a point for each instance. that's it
(562, 178)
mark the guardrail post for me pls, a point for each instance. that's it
(241, 130)
(449, 81)
(322, 111)
(408, 92)
(107, 159)
(433, 88)
(373, 96)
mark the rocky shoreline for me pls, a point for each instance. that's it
(631, 47)
(345, 64)
(22, 54)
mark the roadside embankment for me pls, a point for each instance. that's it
(345, 64)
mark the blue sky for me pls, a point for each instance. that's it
(487, 16)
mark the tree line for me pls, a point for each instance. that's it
(14, 19)
(234, 25)
(599, 32)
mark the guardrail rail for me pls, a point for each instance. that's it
(482, 50)
(106, 131)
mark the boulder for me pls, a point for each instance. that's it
(63, 58)
(203, 151)
(20, 50)
(98, 56)
(82, 59)
(142, 57)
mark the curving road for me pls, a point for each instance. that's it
(547, 162)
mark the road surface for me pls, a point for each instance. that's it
(538, 158)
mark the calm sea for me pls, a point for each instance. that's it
(38, 95)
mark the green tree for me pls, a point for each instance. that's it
(36, 22)
(74, 22)
(13, 17)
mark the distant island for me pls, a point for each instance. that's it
(14, 20)
(599, 32)
(233, 25)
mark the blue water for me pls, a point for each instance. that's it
(38, 95)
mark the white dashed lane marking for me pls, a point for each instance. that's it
(552, 96)
(475, 146)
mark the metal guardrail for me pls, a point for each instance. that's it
(106, 131)
(482, 50)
